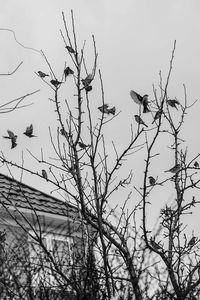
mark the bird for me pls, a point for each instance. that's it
(12, 137)
(68, 71)
(44, 174)
(173, 103)
(155, 245)
(55, 82)
(192, 241)
(152, 180)
(88, 88)
(42, 74)
(104, 109)
(196, 164)
(111, 110)
(174, 169)
(141, 100)
(87, 80)
(63, 132)
(29, 131)
(70, 49)
(157, 115)
(139, 120)
(82, 145)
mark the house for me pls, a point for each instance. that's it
(45, 243)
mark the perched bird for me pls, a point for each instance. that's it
(68, 71)
(141, 100)
(173, 103)
(155, 245)
(63, 132)
(55, 82)
(42, 74)
(157, 115)
(104, 109)
(70, 49)
(192, 241)
(139, 120)
(196, 164)
(82, 145)
(44, 174)
(29, 131)
(88, 88)
(152, 180)
(174, 169)
(12, 137)
(87, 80)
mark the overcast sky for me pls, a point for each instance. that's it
(134, 41)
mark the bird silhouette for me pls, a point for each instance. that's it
(82, 145)
(55, 82)
(12, 137)
(139, 120)
(29, 131)
(157, 115)
(192, 241)
(104, 109)
(68, 71)
(63, 132)
(152, 180)
(141, 100)
(196, 164)
(87, 80)
(174, 169)
(88, 88)
(42, 74)
(70, 49)
(44, 174)
(173, 103)
(155, 245)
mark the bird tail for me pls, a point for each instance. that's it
(146, 109)
(112, 110)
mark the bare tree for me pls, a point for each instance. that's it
(129, 256)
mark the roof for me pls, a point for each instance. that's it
(19, 195)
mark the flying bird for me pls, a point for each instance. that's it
(42, 74)
(196, 164)
(44, 174)
(68, 71)
(152, 180)
(29, 131)
(139, 120)
(174, 169)
(157, 115)
(192, 241)
(173, 103)
(141, 100)
(70, 49)
(55, 82)
(12, 137)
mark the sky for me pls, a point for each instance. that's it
(134, 40)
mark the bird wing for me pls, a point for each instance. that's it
(11, 134)
(29, 129)
(136, 97)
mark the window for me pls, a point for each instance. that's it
(42, 263)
